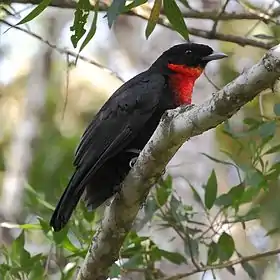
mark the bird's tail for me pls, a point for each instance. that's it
(67, 202)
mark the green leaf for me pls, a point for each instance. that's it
(36, 11)
(249, 269)
(150, 207)
(133, 4)
(37, 271)
(252, 122)
(273, 150)
(18, 247)
(173, 257)
(211, 189)
(175, 203)
(60, 236)
(22, 226)
(80, 19)
(191, 247)
(267, 129)
(163, 191)
(232, 198)
(196, 195)
(114, 10)
(155, 12)
(253, 214)
(68, 245)
(226, 246)
(255, 178)
(276, 109)
(25, 260)
(115, 271)
(175, 17)
(38, 197)
(273, 231)
(44, 225)
(212, 253)
(92, 29)
(4, 269)
(134, 261)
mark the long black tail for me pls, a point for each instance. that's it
(67, 202)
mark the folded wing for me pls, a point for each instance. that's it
(114, 127)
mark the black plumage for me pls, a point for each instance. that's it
(125, 123)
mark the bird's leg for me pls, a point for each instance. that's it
(133, 160)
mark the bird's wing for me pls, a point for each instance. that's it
(122, 116)
(115, 125)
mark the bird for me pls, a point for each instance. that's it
(125, 123)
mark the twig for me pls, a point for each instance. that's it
(259, 21)
(240, 40)
(215, 24)
(66, 85)
(224, 264)
(210, 81)
(47, 264)
(61, 50)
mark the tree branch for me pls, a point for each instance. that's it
(144, 13)
(213, 15)
(240, 40)
(224, 264)
(62, 50)
(175, 128)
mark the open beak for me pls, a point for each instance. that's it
(214, 56)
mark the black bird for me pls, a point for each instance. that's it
(125, 124)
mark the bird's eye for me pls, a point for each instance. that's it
(188, 51)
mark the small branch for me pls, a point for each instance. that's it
(224, 264)
(175, 128)
(144, 13)
(242, 41)
(61, 50)
(214, 28)
(251, 15)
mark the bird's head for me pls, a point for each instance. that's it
(183, 64)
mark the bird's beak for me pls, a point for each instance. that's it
(214, 56)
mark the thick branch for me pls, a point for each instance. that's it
(144, 13)
(176, 127)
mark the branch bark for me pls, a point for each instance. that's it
(226, 264)
(176, 127)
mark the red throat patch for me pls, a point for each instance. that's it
(182, 82)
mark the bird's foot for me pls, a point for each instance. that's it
(132, 162)
(187, 106)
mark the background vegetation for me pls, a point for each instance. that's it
(216, 207)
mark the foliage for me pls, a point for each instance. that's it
(139, 253)
(117, 7)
